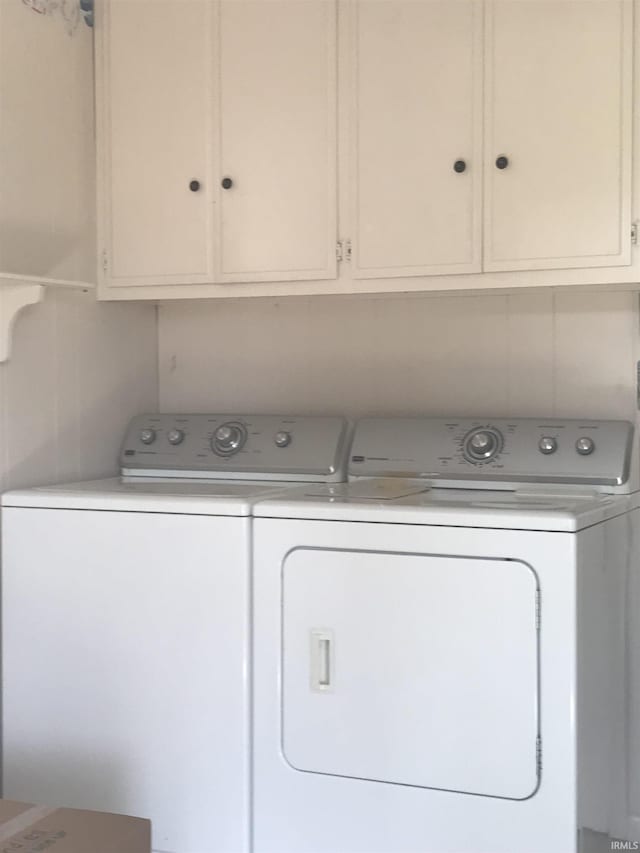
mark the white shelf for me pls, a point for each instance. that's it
(19, 291)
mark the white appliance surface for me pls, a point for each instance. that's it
(406, 501)
(439, 659)
(149, 494)
(114, 625)
(126, 624)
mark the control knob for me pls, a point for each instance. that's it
(175, 436)
(282, 438)
(147, 436)
(228, 438)
(481, 441)
(585, 445)
(547, 445)
(482, 444)
(225, 434)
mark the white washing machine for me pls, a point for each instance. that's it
(439, 644)
(125, 624)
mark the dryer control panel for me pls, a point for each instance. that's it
(269, 447)
(477, 451)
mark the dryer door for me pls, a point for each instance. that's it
(409, 668)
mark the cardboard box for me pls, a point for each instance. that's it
(25, 828)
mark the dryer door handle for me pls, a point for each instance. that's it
(321, 659)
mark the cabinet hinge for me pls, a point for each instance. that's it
(105, 261)
(538, 609)
(539, 755)
(634, 233)
(343, 250)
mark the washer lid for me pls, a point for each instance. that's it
(399, 501)
(142, 494)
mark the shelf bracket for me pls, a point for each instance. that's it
(15, 294)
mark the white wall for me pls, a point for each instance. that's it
(47, 144)
(78, 371)
(551, 353)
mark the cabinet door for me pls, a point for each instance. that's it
(416, 99)
(277, 139)
(558, 110)
(154, 88)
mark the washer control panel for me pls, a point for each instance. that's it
(237, 446)
(520, 450)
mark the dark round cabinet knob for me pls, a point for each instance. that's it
(459, 166)
(502, 162)
(194, 186)
(227, 183)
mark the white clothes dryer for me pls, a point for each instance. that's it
(125, 624)
(439, 643)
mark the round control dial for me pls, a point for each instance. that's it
(147, 436)
(282, 438)
(482, 444)
(585, 445)
(547, 445)
(175, 436)
(229, 438)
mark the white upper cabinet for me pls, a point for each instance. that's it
(556, 120)
(416, 163)
(155, 141)
(558, 134)
(217, 141)
(275, 147)
(277, 139)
